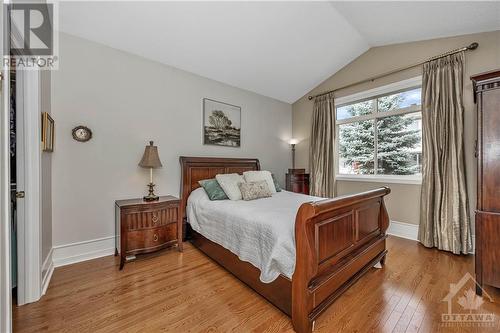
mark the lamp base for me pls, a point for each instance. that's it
(151, 195)
(150, 198)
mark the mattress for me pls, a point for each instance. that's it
(261, 232)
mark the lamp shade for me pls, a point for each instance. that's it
(150, 159)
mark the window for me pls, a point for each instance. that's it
(381, 134)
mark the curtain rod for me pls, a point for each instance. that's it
(471, 47)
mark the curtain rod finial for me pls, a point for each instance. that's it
(309, 97)
(473, 46)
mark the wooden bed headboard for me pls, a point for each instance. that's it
(194, 169)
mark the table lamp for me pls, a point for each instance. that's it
(150, 160)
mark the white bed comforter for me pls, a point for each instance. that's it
(261, 232)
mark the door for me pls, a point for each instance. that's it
(20, 186)
(28, 122)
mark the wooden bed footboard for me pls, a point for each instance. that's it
(337, 241)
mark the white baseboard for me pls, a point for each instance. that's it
(63, 255)
(47, 270)
(410, 231)
(403, 230)
(82, 251)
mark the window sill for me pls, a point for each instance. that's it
(411, 180)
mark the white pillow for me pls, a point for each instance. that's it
(256, 176)
(230, 184)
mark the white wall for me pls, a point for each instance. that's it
(127, 101)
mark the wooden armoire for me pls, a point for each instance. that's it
(487, 98)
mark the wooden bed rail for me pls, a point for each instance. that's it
(337, 240)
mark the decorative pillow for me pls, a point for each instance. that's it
(255, 190)
(276, 184)
(213, 189)
(255, 176)
(229, 183)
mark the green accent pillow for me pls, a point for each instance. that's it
(213, 189)
(276, 184)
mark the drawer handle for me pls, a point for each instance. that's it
(155, 237)
(155, 219)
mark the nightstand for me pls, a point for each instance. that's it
(297, 181)
(144, 227)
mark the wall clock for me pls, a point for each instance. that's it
(82, 133)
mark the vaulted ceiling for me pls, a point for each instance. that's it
(277, 49)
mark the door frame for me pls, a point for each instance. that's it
(5, 275)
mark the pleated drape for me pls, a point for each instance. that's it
(444, 217)
(321, 150)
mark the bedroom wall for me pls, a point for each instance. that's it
(403, 203)
(126, 101)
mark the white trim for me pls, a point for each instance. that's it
(378, 115)
(410, 231)
(403, 230)
(48, 268)
(73, 253)
(389, 88)
(411, 180)
(81, 251)
(5, 273)
(20, 186)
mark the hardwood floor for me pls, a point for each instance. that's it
(181, 292)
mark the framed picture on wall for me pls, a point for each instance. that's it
(221, 123)
(47, 132)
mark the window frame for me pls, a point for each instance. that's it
(389, 89)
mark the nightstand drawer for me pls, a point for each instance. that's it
(151, 219)
(299, 178)
(150, 238)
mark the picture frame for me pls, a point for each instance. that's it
(221, 123)
(48, 132)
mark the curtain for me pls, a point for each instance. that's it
(444, 221)
(321, 150)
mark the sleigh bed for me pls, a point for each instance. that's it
(336, 242)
